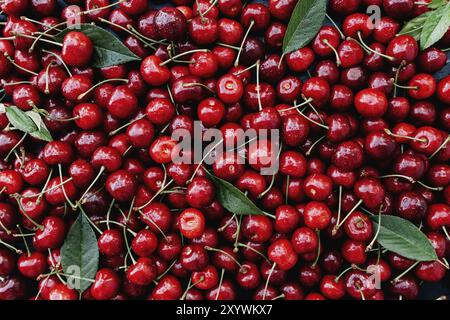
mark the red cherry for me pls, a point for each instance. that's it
(282, 253)
(77, 49)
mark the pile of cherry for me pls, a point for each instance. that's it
(367, 125)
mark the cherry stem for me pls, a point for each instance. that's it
(405, 272)
(39, 198)
(203, 159)
(74, 206)
(444, 263)
(39, 23)
(181, 55)
(403, 87)
(90, 221)
(365, 46)
(198, 84)
(81, 96)
(236, 234)
(240, 244)
(336, 26)
(220, 229)
(39, 38)
(262, 194)
(101, 8)
(7, 245)
(142, 37)
(327, 43)
(236, 62)
(190, 286)
(11, 60)
(208, 248)
(47, 80)
(167, 270)
(397, 73)
(352, 267)
(246, 69)
(313, 121)
(213, 3)
(227, 46)
(45, 33)
(444, 229)
(15, 146)
(318, 250)
(57, 56)
(22, 209)
(375, 237)
(154, 224)
(268, 279)
(24, 240)
(430, 188)
(258, 89)
(127, 244)
(397, 176)
(220, 284)
(286, 199)
(108, 214)
(126, 125)
(314, 109)
(16, 83)
(338, 219)
(389, 132)
(440, 147)
(308, 153)
(337, 226)
(156, 194)
(8, 232)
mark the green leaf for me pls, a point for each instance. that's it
(414, 26)
(404, 238)
(79, 253)
(305, 22)
(20, 120)
(233, 199)
(42, 133)
(437, 3)
(109, 50)
(436, 25)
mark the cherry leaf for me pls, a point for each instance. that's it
(404, 238)
(305, 23)
(233, 199)
(79, 254)
(435, 27)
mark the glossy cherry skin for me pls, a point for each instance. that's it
(282, 253)
(191, 223)
(171, 24)
(51, 235)
(427, 140)
(317, 215)
(10, 181)
(348, 156)
(304, 240)
(403, 48)
(371, 103)
(422, 86)
(77, 49)
(379, 145)
(121, 185)
(317, 186)
(142, 272)
(152, 72)
(62, 292)
(370, 191)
